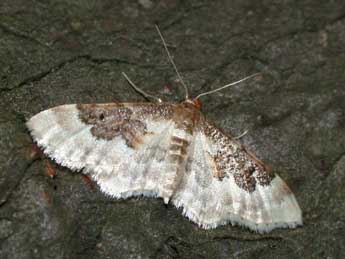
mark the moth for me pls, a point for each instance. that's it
(170, 151)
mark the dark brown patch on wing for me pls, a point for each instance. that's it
(232, 158)
(94, 114)
(263, 177)
(130, 130)
(156, 111)
(111, 121)
(245, 179)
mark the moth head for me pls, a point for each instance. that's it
(194, 102)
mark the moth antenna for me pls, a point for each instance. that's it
(225, 86)
(142, 92)
(172, 62)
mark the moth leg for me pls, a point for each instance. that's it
(241, 135)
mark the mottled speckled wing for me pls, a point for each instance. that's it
(123, 146)
(169, 151)
(225, 183)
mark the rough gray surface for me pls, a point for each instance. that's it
(57, 52)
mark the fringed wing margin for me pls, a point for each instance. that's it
(219, 188)
(121, 146)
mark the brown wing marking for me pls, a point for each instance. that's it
(122, 119)
(233, 159)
